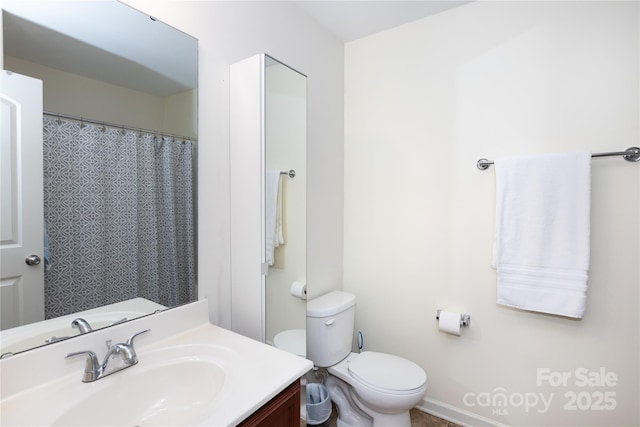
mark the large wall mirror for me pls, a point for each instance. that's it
(119, 132)
(285, 215)
(268, 158)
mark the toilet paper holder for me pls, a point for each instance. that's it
(465, 319)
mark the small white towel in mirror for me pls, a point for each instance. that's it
(274, 235)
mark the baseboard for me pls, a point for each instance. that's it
(455, 414)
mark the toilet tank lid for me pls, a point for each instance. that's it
(330, 304)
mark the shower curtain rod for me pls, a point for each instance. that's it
(631, 154)
(115, 126)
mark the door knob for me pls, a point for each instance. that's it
(32, 260)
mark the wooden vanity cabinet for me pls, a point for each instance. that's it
(281, 411)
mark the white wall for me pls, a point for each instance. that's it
(425, 101)
(72, 94)
(68, 93)
(180, 113)
(229, 32)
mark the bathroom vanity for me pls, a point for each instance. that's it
(190, 372)
(281, 411)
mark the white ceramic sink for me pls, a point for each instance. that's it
(189, 373)
(180, 390)
(171, 385)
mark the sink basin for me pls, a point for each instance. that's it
(170, 385)
(180, 392)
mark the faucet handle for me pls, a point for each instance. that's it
(130, 340)
(129, 352)
(117, 322)
(92, 368)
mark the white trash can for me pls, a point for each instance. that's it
(318, 404)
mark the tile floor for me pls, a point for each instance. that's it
(418, 419)
(422, 419)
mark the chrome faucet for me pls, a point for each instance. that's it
(94, 370)
(82, 325)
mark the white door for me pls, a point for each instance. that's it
(21, 215)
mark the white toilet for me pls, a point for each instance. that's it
(369, 388)
(292, 340)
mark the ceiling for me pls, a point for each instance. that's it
(350, 20)
(64, 41)
(84, 43)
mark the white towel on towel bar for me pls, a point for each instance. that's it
(541, 249)
(273, 215)
(279, 240)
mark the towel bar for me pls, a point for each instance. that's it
(631, 154)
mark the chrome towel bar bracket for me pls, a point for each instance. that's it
(291, 173)
(631, 154)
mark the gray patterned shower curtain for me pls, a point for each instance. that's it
(118, 207)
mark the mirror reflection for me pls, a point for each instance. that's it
(119, 132)
(286, 206)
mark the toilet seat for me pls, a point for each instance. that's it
(387, 373)
(293, 341)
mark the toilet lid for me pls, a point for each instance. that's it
(293, 340)
(386, 371)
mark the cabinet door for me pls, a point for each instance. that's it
(281, 411)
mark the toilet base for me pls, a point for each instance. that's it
(353, 413)
(386, 420)
(349, 415)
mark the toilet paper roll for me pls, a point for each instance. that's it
(449, 322)
(299, 290)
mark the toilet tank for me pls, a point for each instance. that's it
(330, 320)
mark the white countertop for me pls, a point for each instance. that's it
(42, 378)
